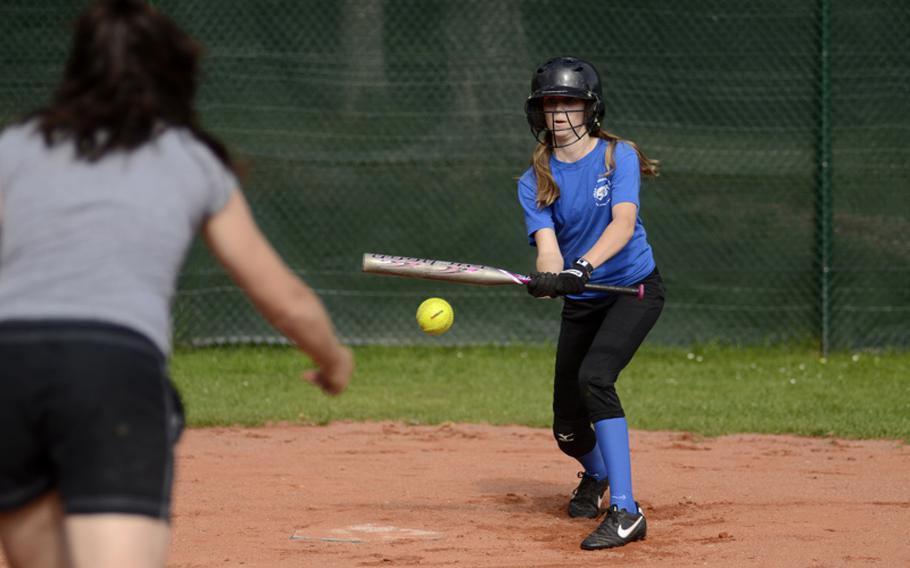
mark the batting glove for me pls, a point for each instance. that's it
(542, 284)
(572, 280)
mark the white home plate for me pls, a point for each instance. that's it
(367, 533)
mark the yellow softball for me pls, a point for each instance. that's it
(435, 316)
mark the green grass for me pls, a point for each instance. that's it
(709, 390)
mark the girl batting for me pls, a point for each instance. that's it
(581, 205)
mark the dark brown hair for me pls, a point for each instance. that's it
(131, 71)
(548, 191)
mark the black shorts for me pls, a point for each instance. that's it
(88, 409)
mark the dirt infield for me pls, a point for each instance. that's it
(389, 494)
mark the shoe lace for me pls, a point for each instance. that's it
(611, 519)
(587, 488)
(617, 514)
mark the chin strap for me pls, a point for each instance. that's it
(577, 139)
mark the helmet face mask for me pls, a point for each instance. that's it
(537, 119)
(564, 77)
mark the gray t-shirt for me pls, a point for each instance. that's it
(102, 241)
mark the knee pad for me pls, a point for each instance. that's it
(575, 438)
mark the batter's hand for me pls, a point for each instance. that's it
(334, 374)
(542, 284)
(572, 280)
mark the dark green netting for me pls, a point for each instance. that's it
(397, 127)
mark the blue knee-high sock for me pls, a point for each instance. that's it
(613, 439)
(593, 462)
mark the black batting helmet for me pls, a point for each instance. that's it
(564, 77)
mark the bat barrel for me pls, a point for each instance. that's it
(431, 269)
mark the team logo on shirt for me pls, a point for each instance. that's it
(603, 190)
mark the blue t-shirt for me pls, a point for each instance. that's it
(584, 209)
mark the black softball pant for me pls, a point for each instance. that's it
(597, 340)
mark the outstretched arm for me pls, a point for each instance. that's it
(283, 299)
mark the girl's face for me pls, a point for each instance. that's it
(565, 117)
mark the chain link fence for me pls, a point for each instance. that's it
(397, 126)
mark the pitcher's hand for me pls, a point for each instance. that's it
(334, 374)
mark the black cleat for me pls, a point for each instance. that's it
(618, 528)
(587, 497)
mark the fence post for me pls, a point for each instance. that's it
(824, 215)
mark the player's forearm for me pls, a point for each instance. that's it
(616, 236)
(549, 262)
